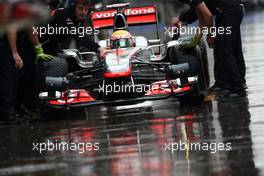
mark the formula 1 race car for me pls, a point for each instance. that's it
(137, 70)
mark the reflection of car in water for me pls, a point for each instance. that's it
(137, 70)
(236, 129)
(138, 144)
(132, 144)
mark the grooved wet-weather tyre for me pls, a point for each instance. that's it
(55, 68)
(194, 58)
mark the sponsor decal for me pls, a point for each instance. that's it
(128, 12)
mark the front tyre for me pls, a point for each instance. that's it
(56, 68)
(194, 58)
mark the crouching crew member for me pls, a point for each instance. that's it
(70, 19)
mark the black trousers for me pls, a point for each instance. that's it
(8, 87)
(229, 68)
(27, 94)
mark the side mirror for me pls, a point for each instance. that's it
(104, 43)
(83, 59)
(141, 41)
(70, 53)
(158, 49)
(154, 42)
(86, 59)
(172, 43)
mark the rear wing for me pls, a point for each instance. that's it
(135, 16)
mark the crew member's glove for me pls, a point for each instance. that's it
(103, 51)
(41, 55)
(190, 43)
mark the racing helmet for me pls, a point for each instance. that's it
(121, 39)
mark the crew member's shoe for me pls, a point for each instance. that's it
(245, 86)
(24, 112)
(215, 89)
(10, 119)
(233, 96)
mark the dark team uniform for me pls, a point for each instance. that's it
(8, 79)
(65, 18)
(229, 66)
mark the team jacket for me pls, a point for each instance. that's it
(64, 18)
(215, 6)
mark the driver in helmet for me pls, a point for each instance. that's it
(121, 39)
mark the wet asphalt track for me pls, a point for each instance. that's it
(132, 141)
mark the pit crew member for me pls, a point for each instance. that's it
(69, 18)
(229, 67)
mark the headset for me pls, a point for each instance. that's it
(186, 1)
(73, 3)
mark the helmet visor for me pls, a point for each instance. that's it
(121, 43)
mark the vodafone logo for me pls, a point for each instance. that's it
(128, 12)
